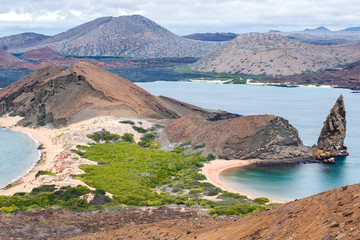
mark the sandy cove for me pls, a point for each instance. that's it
(57, 157)
(56, 154)
(213, 170)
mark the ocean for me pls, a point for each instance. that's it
(18, 155)
(306, 109)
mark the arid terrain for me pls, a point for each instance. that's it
(273, 54)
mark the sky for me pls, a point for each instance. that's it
(181, 16)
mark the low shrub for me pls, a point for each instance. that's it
(41, 172)
(127, 122)
(139, 129)
(261, 200)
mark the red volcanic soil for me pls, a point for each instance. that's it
(41, 54)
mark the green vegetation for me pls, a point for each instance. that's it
(238, 81)
(41, 123)
(139, 129)
(136, 175)
(103, 136)
(14, 114)
(148, 141)
(2, 113)
(147, 177)
(223, 157)
(202, 145)
(47, 196)
(211, 156)
(127, 122)
(41, 172)
(185, 69)
(128, 137)
(261, 200)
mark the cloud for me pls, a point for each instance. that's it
(182, 16)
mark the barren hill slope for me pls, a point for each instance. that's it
(41, 54)
(21, 40)
(126, 36)
(273, 54)
(7, 59)
(332, 214)
(82, 91)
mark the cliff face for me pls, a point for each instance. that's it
(331, 139)
(82, 91)
(261, 136)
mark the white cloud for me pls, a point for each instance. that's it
(183, 16)
(15, 17)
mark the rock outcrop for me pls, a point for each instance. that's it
(244, 137)
(57, 96)
(332, 135)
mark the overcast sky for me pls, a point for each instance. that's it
(181, 16)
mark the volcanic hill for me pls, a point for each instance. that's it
(41, 54)
(126, 36)
(21, 40)
(212, 36)
(273, 54)
(7, 59)
(57, 96)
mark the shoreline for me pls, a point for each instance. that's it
(48, 152)
(215, 168)
(36, 159)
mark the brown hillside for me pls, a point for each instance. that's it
(7, 59)
(41, 54)
(273, 54)
(260, 136)
(328, 215)
(78, 93)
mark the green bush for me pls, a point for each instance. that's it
(223, 157)
(127, 122)
(202, 145)
(41, 172)
(128, 137)
(41, 123)
(148, 141)
(211, 156)
(237, 209)
(139, 129)
(27, 124)
(261, 200)
(103, 136)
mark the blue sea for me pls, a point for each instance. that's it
(306, 109)
(18, 155)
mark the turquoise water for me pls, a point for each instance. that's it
(18, 154)
(305, 108)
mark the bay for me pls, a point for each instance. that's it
(306, 109)
(18, 155)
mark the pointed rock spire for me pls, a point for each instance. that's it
(331, 139)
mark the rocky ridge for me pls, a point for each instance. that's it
(273, 54)
(125, 36)
(244, 137)
(21, 40)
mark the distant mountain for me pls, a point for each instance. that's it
(6, 59)
(21, 40)
(273, 54)
(41, 54)
(318, 29)
(126, 36)
(351, 29)
(212, 36)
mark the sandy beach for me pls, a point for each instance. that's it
(213, 170)
(56, 145)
